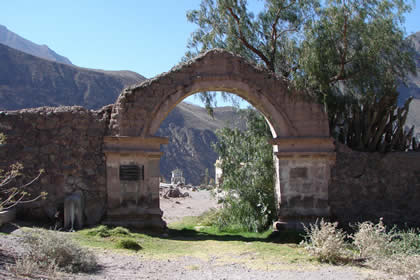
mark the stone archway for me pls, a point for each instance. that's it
(302, 146)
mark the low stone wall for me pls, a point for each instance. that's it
(367, 186)
(67, 143)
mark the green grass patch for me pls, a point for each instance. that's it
(128, 244)
(191, 238)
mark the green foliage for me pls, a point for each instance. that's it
(408, 242)
(101, 231)
(120, 231)
(128, 244)
(247, 164)
(342, 52)
(49, 248)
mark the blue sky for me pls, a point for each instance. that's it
(148, 37)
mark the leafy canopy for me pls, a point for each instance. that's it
(328, 48)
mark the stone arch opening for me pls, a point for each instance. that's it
(190, 161)
(302, 146)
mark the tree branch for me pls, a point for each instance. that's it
(343, 55)
(270, 66)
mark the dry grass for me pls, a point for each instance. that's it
(49, 252)
(391, 251)
(326, 242)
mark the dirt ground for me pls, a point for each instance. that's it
(115, 265)
(174, 209)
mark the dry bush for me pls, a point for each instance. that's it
(389, 250)
(49, 248)
(373, 240)
(326, 242)
(26, 267)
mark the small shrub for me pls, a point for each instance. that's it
(389, 250)
(101, 231)
(26, 267)
(120, 231)
(325, 241)
(129, 244)
(49, 248)
(373, 240)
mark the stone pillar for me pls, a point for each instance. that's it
(133, 200)
(303, 167)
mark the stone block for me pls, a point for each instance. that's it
(298, 172)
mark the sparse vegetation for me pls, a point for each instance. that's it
(11, 195)
(50, 251)
(326, 242)
(373, 244)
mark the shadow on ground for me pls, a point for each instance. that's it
(282, 237)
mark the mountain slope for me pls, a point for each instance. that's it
(413, 85)
(191, 133)
(13, 40)
(28, 81)
(413, 89)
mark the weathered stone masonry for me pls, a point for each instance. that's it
(67, 143)
(368, 186)
(93, 151)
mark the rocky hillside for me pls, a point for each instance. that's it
(413, 89)
(13, 40)
(191, 133)
(28, 81)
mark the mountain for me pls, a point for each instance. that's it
(191, 133)
(29, 81)
(413, 85)
(13, 40)
(413, 89)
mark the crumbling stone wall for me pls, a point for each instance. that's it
(67, 143)
(367, 186)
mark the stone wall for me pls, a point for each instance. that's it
(367, 186)
(67, 143)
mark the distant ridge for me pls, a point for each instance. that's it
(27, 81)
(13, 40)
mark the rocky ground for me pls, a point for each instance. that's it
(117, 265)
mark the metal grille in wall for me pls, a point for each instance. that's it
(131, 172)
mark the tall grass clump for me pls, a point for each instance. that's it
(50, 249)
(393, 251)
(325, 241)
(374, 245)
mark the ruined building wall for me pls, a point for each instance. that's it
(367, 186)
(67, 143)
